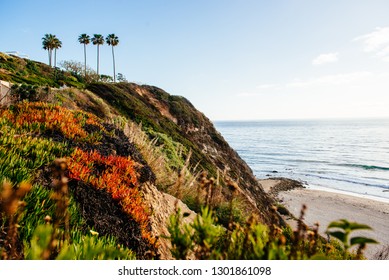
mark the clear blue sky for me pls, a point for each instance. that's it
(237, 59)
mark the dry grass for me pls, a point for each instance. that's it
(382, 254)
(153, 155)
(11, 206)
(188, 181)
(62, 218)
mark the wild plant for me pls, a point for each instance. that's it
(342, 229)
(40, 117)
(86, 247)
(51, 237)
(205, 238)
(24, 92)
(61, 219)
(116, 175)
(11, 207)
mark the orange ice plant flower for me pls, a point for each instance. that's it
(118, 178)
(44, 116)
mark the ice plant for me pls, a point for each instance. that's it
(42, 117)
(117, 176)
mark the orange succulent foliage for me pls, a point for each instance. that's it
(43, 116)
(117, 176)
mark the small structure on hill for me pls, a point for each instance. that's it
(17, 54)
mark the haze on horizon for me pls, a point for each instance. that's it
(234, 60)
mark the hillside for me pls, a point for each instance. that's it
(159, 142)
(157, 111)
(92, 170)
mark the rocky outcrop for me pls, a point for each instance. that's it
(162, 206)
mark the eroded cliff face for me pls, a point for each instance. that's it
(177, 117)
(114, 184)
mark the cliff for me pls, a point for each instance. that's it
(134, 154)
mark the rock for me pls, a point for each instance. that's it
(162, 206)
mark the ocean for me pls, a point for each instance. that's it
(349, 156)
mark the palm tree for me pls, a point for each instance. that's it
(84, 39)
(57, 44)
(98, 40)
(113, 41)
(48, 44)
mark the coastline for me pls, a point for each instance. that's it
(325, 206)
(353, 194)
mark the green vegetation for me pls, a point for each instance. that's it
(342, 230)
(22, 154)
(30, 221)
(88, 247)
(205, 239)
(25, 92)
(222, 231)
(81, 74)
(124, 98)
(43, 220)
(50, 42)
(82, 158)
(22, 71)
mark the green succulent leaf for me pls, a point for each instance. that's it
(344, 224)
(355, 226)
(339, 235)
(362, 240)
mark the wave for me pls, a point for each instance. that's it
(347, 180)
(310, 161)
(365, 167)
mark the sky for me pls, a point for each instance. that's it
(233, 59)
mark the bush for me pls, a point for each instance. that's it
(203, 239)
(87, 247)
(25, 92)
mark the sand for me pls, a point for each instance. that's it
(324, 207)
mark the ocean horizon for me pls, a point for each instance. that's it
(342, 155)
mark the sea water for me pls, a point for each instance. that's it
(339, 155)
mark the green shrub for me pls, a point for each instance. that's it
(342, 229)
(224, 215)
(203, 239)
(21, 155)
(174, 151)
(87, 247)
(25, 92)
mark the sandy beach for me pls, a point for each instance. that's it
(324, 207)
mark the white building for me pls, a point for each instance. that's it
(18, 54)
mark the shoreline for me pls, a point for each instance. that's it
(354, 194)
(325, 206)
(331, 190)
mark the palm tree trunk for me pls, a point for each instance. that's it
(114, 72)
(98, 61)
(55, 58)
(84, 60)
(55, 63)
(49, 53)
